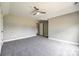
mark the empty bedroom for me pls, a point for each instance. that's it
(39, 28)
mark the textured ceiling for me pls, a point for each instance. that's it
(52, 9)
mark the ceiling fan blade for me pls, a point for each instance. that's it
(34, 13)
(36, 8)
(76, 3)
(43, 12)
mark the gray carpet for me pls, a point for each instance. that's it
(38, 46)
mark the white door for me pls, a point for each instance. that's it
(1, 30)
(41, 28)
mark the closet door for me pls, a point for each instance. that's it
(45, 29)
(41, 28)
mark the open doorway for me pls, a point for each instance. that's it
(42, 28)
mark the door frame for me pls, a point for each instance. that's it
(1, 30)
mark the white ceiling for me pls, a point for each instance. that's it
(53, 9)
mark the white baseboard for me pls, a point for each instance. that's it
(17, 39)
(74, 43)
(48, 38)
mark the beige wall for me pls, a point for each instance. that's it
(64, 27)
(16, 27)
(41, 28)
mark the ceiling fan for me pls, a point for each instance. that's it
(36, 11)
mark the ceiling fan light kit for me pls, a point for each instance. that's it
(37, 13)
